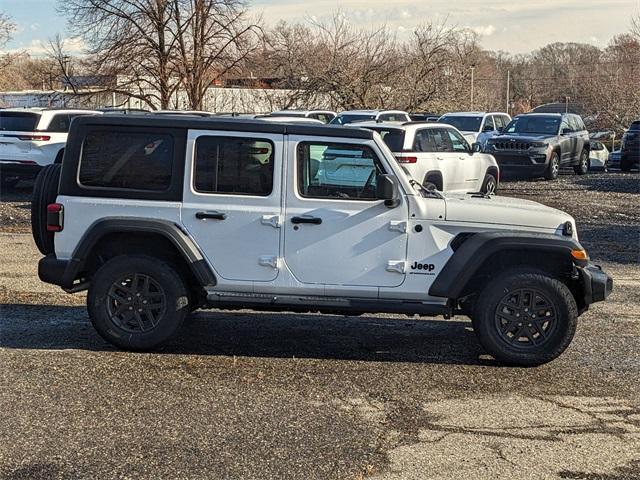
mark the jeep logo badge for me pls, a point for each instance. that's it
(423, 266)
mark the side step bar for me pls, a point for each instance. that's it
(312, 303)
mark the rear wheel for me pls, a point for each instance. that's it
(45, 191)
(583, 167)
(553, 169)
(489, 185)
(137, 302)
(525, 318)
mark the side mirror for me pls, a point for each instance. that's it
(387, 190)
(476, 148)
(566, 131)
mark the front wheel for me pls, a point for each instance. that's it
(583, 167)
(525, 318)
(137, 302)
(553, 169)
(489, 184)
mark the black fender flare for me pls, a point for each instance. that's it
(173, 232)
(471, 250)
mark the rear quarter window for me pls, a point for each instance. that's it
(126, 161)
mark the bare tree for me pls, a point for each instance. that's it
(213, 39)
(131, 39)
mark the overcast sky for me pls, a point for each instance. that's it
(515, 26)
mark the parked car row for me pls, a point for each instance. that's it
(458, 151)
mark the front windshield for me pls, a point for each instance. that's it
(464, 124)
(345, 118)
(534, 125)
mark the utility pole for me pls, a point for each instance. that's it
(508, 90)
(473, 71)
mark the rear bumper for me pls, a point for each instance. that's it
(596, 284)
(19, 169)
(60, 272)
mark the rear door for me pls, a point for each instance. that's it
(336, 232)
(567, 140)
(232, 202)
(438, 143)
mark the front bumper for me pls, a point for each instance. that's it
(596, 284)
(521, 163)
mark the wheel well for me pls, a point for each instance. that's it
(435, 178)
(59, 156)
(150, 244)
(555, 264)
(493, 171)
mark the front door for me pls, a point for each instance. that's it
(336, 231)
(232, 202)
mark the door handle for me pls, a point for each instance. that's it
(306, 219)
(211, 215)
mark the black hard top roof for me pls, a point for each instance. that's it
(222, 123)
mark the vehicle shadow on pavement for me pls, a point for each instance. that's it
(255, 334)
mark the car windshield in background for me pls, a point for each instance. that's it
(393, 137)
(18, 121)
(464, 124)
(286, 114)
(635, 126)
(350, 118)
(536, 125)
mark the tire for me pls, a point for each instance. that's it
(583, 167)
(553, 169)
(625, 164)
(144, 318)
(45, 191)
(489, 184)
(514, 342)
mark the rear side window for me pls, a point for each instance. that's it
(60, 123)
(237, 166)
(393, 137)
(126, 160)
(18, 121)
(432, 140)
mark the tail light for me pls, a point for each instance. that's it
(407, 159)
(38, 138)
(55, 217)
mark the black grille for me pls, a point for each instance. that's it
(512, 145)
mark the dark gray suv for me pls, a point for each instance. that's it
(538, 144)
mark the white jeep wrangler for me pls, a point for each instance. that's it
(159, 216)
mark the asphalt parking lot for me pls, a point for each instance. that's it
(247, 395)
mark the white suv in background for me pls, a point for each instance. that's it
(477, 127)
(325, 116)
(31, 138)
(438, 156)
(351, 116)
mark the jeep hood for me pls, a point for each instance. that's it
(531, 137)
(504, 211)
